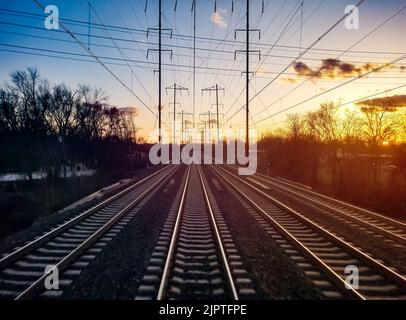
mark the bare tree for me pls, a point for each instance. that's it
(380, 125)
(296, 126)
(128, 123)
(112, 122)
(63, 109)
(8, 111)
(351, 125)
(34, 97)
(403, 125)
(324, 123)
(89, 112)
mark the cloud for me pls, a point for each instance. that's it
(129, 110)
(391, 103)
(288, 80)
(332, 69)
(218, 18)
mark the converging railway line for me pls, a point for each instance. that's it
(389, 229)
(323, 252)
(378, 236)
(197, 254)
(195, 257)
(295, 84)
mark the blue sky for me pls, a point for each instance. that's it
(25, 33)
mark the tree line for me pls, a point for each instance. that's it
(47, 127)
(358, 155)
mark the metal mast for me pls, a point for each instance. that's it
(216, 88)
(247, 52)
(175, 89)
(159, 50)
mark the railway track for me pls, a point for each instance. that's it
(72, 245)
(195, 257)
(384, 228)
(320, 253)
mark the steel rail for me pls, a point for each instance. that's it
(343, 203)
(394, 236)
(168, 262)
(329, 272)
(387, 271)
(379, 267)
(218, 238)
(17, 254)
(37, 286)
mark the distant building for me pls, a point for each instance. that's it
(76, 170)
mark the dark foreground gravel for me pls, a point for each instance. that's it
(272, 269)
(47, 222)
(387, 250)
(118, 270)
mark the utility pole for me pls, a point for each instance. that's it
(183, 115)
(175, 89)
(159, 50)
(194, 9)
(160, 71)
(247, 84)
(216, 88)
(247, 31)
(204, 115)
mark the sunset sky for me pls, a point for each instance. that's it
(25, 42)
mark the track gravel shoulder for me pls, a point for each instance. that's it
(45, 223)
(118, 270)
(387, 250)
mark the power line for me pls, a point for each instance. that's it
(99, 61)
(153, 64)
(349, 48)
(303, 53)
(122, 54)
(350, 102)
(194, 69)
(216, 88)
(174, 46)
(175, 88)
(293, 13)
(159, 50)
(334, 88)
(152, 68)
(185, 37)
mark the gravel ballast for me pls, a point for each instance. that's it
(118, 270)
(276, 273)
(46, 223)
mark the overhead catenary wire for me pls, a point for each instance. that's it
(334, 88)
(341, 54)
(99, 61)
(291, 48)
(138, 63)
(180, 46)
(121, 53)
(348, 102)
(212, 60)
(357, 5)
(182, 71)
(290, 17)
